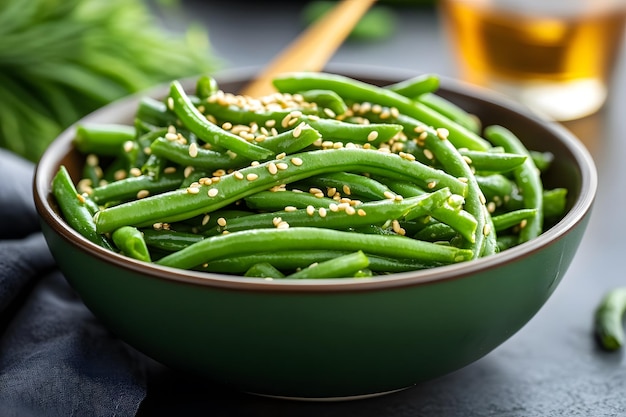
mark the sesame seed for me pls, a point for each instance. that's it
(120, 174)
(491, 207)
(431, 185)
(188, 171)
(142, 194)
(128, 145)
(428, 154)
(482, 198)
(193, 190)
(331, 191)
(373, 135)
(205, 219)
(252, 176)
(389, 195)
(270, 123)
(350, 210)
(212, 192)
(170, 103)
(322, 212)
(361, 212)
(523, 223)
(221, 222)
(282, 225)
(442, 133)
(398, 197)
(282, 166)
(169, 170)
(92, 160)
(157, 226)
(346, 189)
(171, 136)
(328, 112)
(290, 208)
(227, 125)
(310, 210)
(486, 230)
(238, 175)
(333, 207)
(271, 167)
(281, 155)
(297, 131)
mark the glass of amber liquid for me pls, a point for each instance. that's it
(555, 56)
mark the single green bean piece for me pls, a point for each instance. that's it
(608, 319)
(554, 203)
(73, 208)
(493, 162)
(130, 241)
(342, 267)
(197, 123)
(155, 113)
(325, 99)
(136, 187)
(436, 232)
(186, 203)
(342, 217)
(358, 91)
(103, 139)
(512, 218)
(187, 155)
(295, 259)
(278, 200)
(310, 238)
(169, 240)
(416, 86)
(527, 178)
(263, 270)
(206, 86)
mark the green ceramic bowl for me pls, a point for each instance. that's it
(335, 337)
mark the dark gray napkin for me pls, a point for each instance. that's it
(56, 359)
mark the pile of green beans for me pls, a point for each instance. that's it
(330, 177)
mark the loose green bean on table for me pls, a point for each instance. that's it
(329, 177)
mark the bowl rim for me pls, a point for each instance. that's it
(582, 205)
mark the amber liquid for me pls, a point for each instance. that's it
(518, 46)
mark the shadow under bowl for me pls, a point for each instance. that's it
(332, 338)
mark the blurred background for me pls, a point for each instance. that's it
(62, 59)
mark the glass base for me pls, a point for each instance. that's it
(559, 101)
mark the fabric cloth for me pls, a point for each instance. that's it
(56, 359)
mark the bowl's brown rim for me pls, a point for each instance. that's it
(581, 207)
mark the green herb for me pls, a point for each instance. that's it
(61, 59)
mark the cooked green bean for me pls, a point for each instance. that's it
(278, 200)
(325, 99)
(190, 116)
(416, 86)
(512, 218)
(290, 260)
(341, 216)
(608, 319)
(493, 162)
(263, 270)
(130, 241)
(451, 111)
(140, 186)
(310, 238)
(169, 240)
(349, 184)
(102, 139)
(341, 267)
(73, 208)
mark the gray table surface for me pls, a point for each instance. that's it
(553, 366)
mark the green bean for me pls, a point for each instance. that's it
(185, 203)
(155, 113)
(294, 259)
(493, 162)
(436, 232)
(73, 208)
(309, 238)
(293, 140)
(542, 160)
(416, 86)
(349, 184)
(512, 218)
(497, 188)
(136, 187)
(608, 319)
(342, 217)
(278, 200)
(358, 91)
(130, 241)
(325, 99)
(263, 270)
(183, 154)
(102, 139)
(92, 171)
(554, 203)
(527, 178)
(341, 267)
(195, 121)
(169, 240)
(206, 86)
